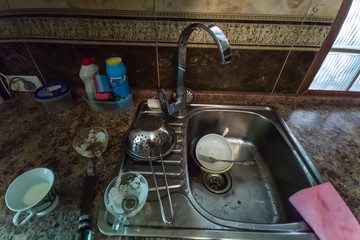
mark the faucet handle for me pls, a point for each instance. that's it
(164, 102)
(176, 103)
(190, 96)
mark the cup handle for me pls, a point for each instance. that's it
(16, 219)
(119, 222)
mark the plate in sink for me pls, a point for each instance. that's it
(217, 147)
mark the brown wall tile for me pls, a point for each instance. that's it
(249, 70)
(16, 60)
(62, 62)
(294, 71)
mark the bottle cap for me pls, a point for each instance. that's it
(113, 61)
(87, 61)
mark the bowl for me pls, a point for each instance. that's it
(216, 146)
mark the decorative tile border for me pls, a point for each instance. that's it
(142, 30)
(245, 18)
(248, 34)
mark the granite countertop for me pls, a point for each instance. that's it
(327, 128)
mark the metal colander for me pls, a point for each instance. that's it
(149, 137)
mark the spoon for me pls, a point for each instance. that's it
(225, 131)
(118, 180)
(214, 160)
(95, 147)
(87, 144)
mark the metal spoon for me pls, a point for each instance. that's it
(95, 148)
(213, 160)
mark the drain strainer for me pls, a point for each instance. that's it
(217, 183)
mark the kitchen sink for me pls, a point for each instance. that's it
(250, 201)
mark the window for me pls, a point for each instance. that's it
(341, 68)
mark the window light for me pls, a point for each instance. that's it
(341, 68)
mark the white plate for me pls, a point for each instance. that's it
(216, 146)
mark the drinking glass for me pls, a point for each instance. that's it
(125, 196)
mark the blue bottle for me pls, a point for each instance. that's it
(116, 70)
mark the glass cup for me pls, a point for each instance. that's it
(32, 193)
(125, 196)
(91, 142)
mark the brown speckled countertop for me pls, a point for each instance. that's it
(327, 128)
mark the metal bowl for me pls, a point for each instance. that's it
(149, 138)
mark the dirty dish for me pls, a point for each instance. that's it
(214, 146)
(125, 196)
(32, 193)
(91, 142)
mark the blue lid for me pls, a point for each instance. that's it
(52, 90)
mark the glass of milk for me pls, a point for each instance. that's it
(31, 193)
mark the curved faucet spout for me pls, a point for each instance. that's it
(214, 31)
(225, 53)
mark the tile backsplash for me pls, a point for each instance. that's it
(273, 42)
(327, 8)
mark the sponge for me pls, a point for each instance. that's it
(326, 212)
(153, 103)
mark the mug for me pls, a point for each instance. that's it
(32, 193)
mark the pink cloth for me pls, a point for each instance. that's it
(326, 212)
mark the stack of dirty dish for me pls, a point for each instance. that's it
(210, 148)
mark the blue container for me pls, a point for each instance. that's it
(116, 70)
(115, 67)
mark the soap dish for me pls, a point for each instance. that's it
(110, 106)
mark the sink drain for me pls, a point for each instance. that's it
(217, 183)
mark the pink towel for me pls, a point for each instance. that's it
(326, 212)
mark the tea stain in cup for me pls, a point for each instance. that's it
(35, 193)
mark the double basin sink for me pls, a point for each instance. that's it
(250, 201)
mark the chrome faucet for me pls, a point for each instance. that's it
(178, 104)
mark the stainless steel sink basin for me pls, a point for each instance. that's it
(255, 193)
(246, 202)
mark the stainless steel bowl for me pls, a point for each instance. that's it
(149, 138)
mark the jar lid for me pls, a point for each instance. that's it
(52, 90)
(113, 61)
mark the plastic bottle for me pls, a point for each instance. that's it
(87, 73)
(116, 70)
